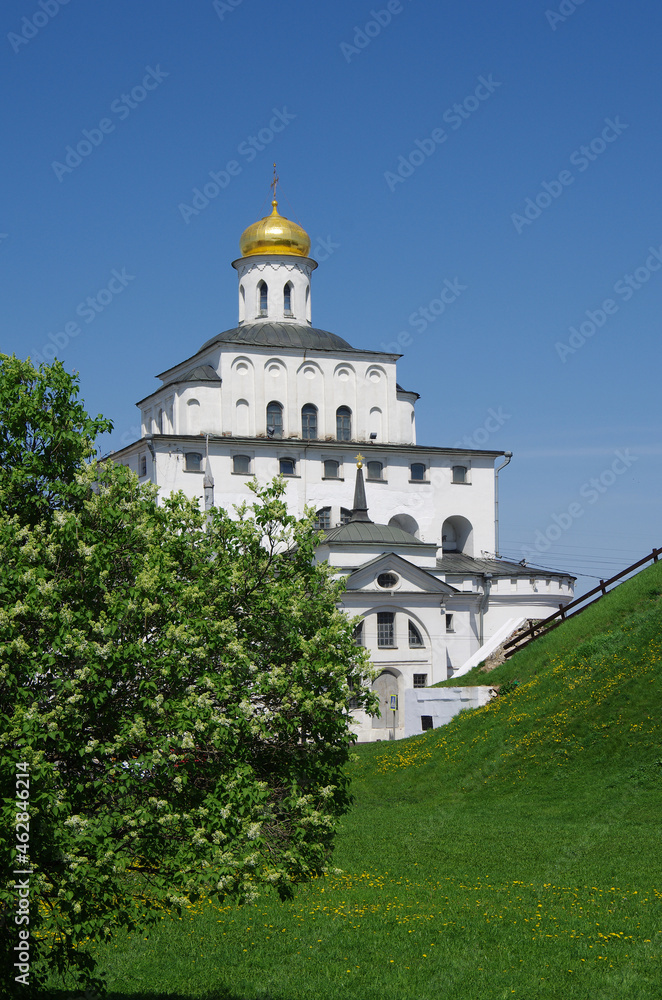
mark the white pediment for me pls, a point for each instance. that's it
(410, 578)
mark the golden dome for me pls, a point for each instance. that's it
(274, 234)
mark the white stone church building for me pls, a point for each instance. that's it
(415, 538)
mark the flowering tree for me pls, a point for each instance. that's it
(173, 692)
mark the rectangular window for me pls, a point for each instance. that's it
(426, 723)
(193, 461)
(385, 628)
(460, 474)
(143, 465)
(331, 469)
(417, 471)
(420, 680)
(375, 470)
(449, 623)
(241, 465)
(287, 467)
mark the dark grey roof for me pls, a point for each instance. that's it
(456, 563)
(280, 335)
(203, 373)
(358, 532)
(398, 388)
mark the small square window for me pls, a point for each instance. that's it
(449, 623)
(375, 470)
(287, 467)
(460, 474)
(241, 465)
(426, 723)
(331, 469)
(193, 461)
(420, 680)
(143, 465)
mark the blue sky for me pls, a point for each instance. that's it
(509, 150)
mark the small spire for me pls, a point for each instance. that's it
(360, 509)
(273, 185)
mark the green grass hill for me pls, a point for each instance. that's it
(515, 853)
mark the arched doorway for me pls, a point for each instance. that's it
(386, 686)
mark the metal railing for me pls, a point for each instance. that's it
(553, 621)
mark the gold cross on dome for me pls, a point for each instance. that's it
(273, 183)
(359, 461)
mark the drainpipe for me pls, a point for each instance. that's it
(508, 455)
(483, 604)
(149, 441)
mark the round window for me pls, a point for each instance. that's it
(387, 580)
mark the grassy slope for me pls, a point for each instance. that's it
(514, 853)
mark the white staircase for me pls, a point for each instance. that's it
(488, 647)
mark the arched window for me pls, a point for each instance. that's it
(242, 304)
(241, 465)
(417, 471)
(287, 467)
(309, 422)
(331, 469)
(375, 470)
(193, 461)
(287, 299)
(344, 423)
(415, 638)
(457, 535)
(275, 419)
(460, 474)
(345, 515)
(322, 520)
(262, 298)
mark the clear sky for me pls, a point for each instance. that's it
(506, 153)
